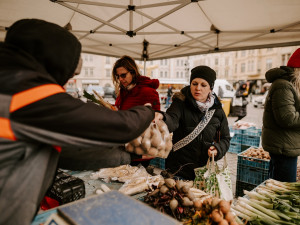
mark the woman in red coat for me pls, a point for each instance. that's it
(133, 89)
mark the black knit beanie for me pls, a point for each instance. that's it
(205, 73)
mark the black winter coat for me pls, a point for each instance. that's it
(241, 110)
(37, 53)
(181, 118)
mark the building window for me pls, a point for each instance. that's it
(269, 49)
(177, 74)
(243, 53)
(107, 61)
(181, 74)
(161, 74)
(91, 58)
(91, 72)
(177, 62)
(86, 58)
(86, 72)
(282, 60)
(107, 72)
(166, 74)
(268, 64)
(243, 68)
(216, 61)
(250, 66)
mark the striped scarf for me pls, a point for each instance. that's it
(204, 106)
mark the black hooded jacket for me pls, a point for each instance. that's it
(181, 118)
(37, 53)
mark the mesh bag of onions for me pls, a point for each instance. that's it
(156, 141)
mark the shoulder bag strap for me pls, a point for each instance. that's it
(183, 142)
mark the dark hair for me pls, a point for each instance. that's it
(129, 64)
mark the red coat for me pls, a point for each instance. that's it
(144, 92)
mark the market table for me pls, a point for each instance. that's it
(91, 185)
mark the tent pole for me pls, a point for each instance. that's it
(145, 67)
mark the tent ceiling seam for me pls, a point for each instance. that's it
(161, 16)
(92, 17)
(91, 3)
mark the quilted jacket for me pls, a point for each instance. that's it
(281, 118)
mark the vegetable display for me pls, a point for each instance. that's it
(156, 141)
(257, 153)
(273, 203)
(189, 205)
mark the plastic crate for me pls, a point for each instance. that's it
(237, 138)
(252, 162)
(241, 186)
(253, 131)
(234, 147)
(251, 140)
(158, 163)
(236, 130)
(251, 175)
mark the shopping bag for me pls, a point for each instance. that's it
(237, 101)
(199, 181)
(213, 180)
(224, 182)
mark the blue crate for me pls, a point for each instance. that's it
(158, 163)
(234, 147)
(253, 131)
(236, 130)
(241, 186)
(252, 162)
(251, 140)
(237, 138)
(251, 175)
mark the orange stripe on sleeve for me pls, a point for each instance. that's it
(5, 129)
(29, 96)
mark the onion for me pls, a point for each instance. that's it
(163, 189)
(187, 202)
(223, 222)
(170, 182)
(173, 204)
(224, 206)
(229, 216)
(214, 202)
(198, 204)
(217, 216)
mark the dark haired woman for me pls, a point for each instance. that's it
(133, 89)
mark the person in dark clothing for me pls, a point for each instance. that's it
(191, 105)
(37, 116)
(240, 108)
(281, 120)
(169, 95)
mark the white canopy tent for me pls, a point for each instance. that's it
(157, 29)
